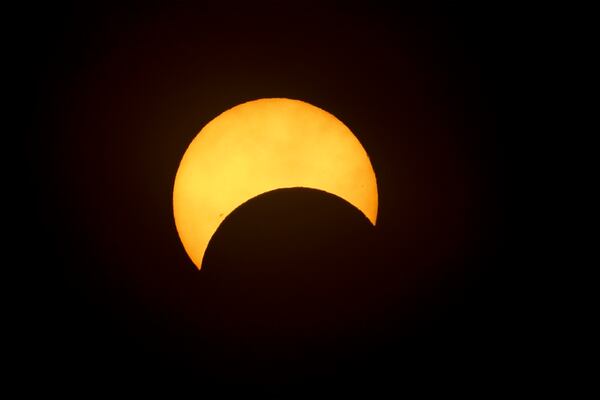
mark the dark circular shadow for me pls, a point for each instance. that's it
(289, 274)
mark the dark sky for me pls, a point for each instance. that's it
(298, 292)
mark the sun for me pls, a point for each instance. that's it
(260, 146)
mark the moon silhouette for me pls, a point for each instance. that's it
(260, 146)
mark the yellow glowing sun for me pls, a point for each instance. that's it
(260, 146)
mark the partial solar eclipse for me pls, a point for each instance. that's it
(260, 146)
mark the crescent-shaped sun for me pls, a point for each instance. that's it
(263, 145)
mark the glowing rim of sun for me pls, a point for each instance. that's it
(260, 146)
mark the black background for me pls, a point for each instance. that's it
(298, 292)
